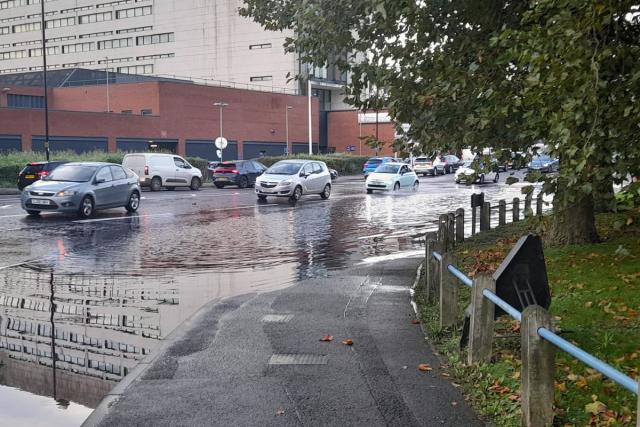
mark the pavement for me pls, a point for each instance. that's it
(221, 369)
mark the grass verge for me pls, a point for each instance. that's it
(595, 303)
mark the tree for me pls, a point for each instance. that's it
(492, 73)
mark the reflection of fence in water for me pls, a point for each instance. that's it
(103, 323)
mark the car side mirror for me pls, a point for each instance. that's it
(99, 180)
(303, 175)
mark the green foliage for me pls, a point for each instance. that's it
(497, 73)
(345, 164)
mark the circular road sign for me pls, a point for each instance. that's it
(221, 142)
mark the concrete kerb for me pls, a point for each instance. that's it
(9, 192)
(102, 410)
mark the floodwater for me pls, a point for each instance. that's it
(101, 294)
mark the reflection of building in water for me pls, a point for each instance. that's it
(102, 325)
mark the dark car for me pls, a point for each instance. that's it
(211, 166)
(451, 163)
(242, 173)
(35, 171)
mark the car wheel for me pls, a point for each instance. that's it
(482, 179)
(297, 194)
(416, 185)
(219, 186)
(33, 213)
(195, 183)
(262, 198)
(369, 191)
(156, 183)
(496, 178)
(134, 202)
(244, 182)
(86, 207)
(326, 193)
(396, 186)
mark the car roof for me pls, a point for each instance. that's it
(92, 164)
(298, 161)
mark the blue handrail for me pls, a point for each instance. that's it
(590, 360)
(604, 368)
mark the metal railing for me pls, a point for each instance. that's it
(597, 364)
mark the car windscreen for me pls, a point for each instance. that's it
(226, 166)
(542, 158)
(374, 161)
(284, 168)
(72, 173)
(387, 169)
(422, 160)
(33, 169)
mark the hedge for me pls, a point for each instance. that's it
(345, 164)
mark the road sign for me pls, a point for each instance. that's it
(351, 148)
(219, 153)
(221, 143)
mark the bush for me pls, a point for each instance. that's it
(345, 164)
(200, 163)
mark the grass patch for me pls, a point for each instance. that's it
(595, 303)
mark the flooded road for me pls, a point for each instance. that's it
(102, 293)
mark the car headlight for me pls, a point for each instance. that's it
(545, 165)
(66, 193)
(287, 182)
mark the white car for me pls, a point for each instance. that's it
(293, 179)
(392, 176)
(157, 170)
(467, 174)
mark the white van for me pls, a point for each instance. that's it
(157, 170)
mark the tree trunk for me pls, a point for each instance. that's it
(604, 197)
(573, 220)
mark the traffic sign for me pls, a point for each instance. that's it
(351, 148)
(219, 153)
(221, 143)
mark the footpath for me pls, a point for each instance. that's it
(259, 360)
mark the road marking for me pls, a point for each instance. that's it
(373, 236)
(18, 264)
(10, 216)
(298, 359)
(6, 206)
(390, 257)
(277, 318)
(120, 218)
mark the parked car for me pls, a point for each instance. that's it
(544, 163)
(424, 166)
(293, 179)
(83, 188)
(392, 176)
(242, 173)
(451, 163)
(211, 166)
(34, 171)
(157, 170)
(467, 174)
(334, 174)
(373, 163)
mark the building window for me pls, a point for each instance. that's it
(23, 28)
(5, 30)
(155, 39)
(61, 22)
(260, 46)
(134, 30)
(78, 47)
(115, 43)
(14, 54)
(25, 101)
(136, 69)
(100, 34)
(114, 3)
(28, 43)
(61, 39)
(146, 112)
(76, 9)
(261, 78)
(95, 17)
(158, 56)
(133, 12)
(51, 50)
(115, 60)
(13, 3)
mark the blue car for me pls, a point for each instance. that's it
(544, 163)
(373, 163)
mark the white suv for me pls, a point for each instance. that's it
(157, 170)
(293, 179)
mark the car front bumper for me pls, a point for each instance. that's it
(278, 190)
(50, 203)
(379, 185)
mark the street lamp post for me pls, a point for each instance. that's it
(221, 105)
(44, 78)
(106, 61)
(286, 127)
(310, 133)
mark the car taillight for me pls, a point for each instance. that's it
(42, 174)
(234, 170)
(146, 170)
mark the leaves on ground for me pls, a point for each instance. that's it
(347, 342)
(424, 367)
(327, 338)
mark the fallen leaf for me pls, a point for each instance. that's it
(513, 397)
(424, 367)
(588, 304)
(327, 338)
(454, 403)
(444, 374)
(595, 407)
(347, 342)
(280, 412)
(561, 387)
(415, 321)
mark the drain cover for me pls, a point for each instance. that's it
(277, 318)
(298, 359)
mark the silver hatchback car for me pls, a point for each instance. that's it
(293, 179)
(83, 188)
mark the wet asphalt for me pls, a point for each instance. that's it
(232, 260)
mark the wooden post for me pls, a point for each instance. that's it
(482, 321)
(502, 212)
(451, 229)
(443, 232)
(638, 410)
(473, 221)
(539, 204)
(527, 205)
(516, 209)
(460, 225)
(434, 272)
(485, 217)
(538, 368)
(448, 293)
(428, 250)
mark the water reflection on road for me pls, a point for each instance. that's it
(123, 283)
